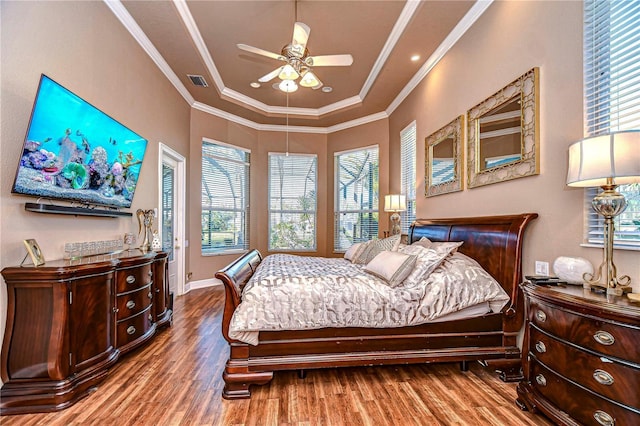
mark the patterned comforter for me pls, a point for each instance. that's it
(289, 292)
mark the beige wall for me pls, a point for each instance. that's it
(82, 46)
(261, 143)
(509, 39)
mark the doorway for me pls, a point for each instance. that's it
(171, 212)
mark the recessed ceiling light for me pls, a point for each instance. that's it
(255, 84)
(415, 58)
(327, 89)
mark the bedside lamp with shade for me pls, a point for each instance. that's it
(395, 203)
(606, 161)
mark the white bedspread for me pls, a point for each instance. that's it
(289, 292)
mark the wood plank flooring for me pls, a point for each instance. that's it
(177, 380)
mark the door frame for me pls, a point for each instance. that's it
(165, 151)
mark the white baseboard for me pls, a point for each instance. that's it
(194, 285)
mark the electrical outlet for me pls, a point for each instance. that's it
(542, 268)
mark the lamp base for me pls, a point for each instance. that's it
(395, 224)
(609, 203)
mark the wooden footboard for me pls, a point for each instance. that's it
(495, 242)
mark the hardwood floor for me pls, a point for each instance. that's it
(177, 380)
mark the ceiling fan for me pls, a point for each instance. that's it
(298, 61)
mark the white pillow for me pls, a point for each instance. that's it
(448, 246)
(427, 260)
(360, 255)
(391, 266)
(351, 251)
(377, 246)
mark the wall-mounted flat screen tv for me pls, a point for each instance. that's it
(75, 152)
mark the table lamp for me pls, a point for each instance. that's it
(395, 203)
(606, 161)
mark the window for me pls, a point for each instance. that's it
(408, 175)
(356, 202)
(612, 84)
(292, 201)
(225, 198)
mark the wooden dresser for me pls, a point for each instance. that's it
(68, 321)
(581, 355)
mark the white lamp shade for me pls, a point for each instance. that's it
(616, 156)
(288, 73)
(288, 86)
(395, 203)
(309, 80)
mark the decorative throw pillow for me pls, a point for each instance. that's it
(391, 266)
(377, 246)
(360, 255)
(427, 260)
(351, 251)
(448, 246)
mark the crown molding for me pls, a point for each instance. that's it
(401, 24)
(198, 41)
(458, 31)
(134, 29)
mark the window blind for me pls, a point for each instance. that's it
(292, 202)
(408, 175)
(611, 87)
(225, 198)
(166, 215)
(356, 197)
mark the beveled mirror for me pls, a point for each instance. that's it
(502, 141)
(443, 172)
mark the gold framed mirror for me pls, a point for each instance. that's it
(503, 135)
(443, 172)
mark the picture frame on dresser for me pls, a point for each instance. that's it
(34, 252)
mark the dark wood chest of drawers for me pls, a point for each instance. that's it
(581, 355)
(69, 321)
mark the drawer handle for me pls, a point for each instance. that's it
(131, 304)
(131, 279)
(603, 377)
(603, 418)
(540, 379)
(541, 316)
(150, 295)
(150, 273)
(131, 330)
(540, 347)
(150, 317)
(604, 338)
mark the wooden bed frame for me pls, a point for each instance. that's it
(495, 242)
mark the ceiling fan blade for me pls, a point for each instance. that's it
(259, 51)
(330, 60)
(273, 74)
(300, 36)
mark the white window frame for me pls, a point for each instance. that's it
(338, 211)
(408, 156)
(243, 208)
(611, 104)
(313, 211)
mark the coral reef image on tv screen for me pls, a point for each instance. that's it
(75, 152)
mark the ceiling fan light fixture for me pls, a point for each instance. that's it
(288, 86)
(309, 80)
(288, 73)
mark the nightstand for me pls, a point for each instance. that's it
(581, 356)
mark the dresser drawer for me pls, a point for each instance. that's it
(133, 328)
(605, 337)
(582, 405)
(134, 302)
(128, 279)
(600, 374)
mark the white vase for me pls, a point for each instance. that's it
(571, 269)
